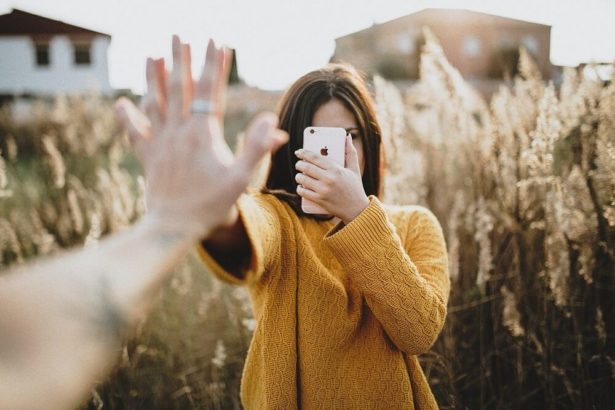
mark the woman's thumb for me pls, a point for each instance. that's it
(352, 159)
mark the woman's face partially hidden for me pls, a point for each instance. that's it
(333, 113)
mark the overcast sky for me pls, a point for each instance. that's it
(278, 40)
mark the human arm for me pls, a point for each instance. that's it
(62, 319)
(261, 218)
(404, 280)
(229, 245)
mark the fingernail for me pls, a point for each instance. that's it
(298, 152)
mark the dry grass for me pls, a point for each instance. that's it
(524, 186)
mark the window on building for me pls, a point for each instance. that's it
(405, 44)
(42, 54)
(471, 46)
(83, 54)
(531, 43)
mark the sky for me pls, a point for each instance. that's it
(279, 40)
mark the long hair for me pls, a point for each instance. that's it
(296, 111)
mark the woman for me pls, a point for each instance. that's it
(344, 302)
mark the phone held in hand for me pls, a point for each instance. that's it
(329, 142)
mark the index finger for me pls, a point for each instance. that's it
(314, 158)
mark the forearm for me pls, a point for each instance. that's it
(407, 305)
(409, 308)
(241, 257)
(229, 246)
(63, 318)
(405, 291)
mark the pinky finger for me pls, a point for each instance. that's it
(306, 193)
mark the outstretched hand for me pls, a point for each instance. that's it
(193, 178)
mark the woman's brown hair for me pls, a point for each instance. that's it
(296, 111)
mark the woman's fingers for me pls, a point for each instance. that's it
(352, 158)
(311, 170)
(306, 193)
(315, 159)
(310, 183)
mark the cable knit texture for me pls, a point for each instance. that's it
(342, 310)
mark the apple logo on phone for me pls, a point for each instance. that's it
(324, 151)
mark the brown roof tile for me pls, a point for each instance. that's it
(19, 22)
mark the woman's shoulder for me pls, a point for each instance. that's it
(269, 199)
(409, 219)
(272, 204)
(408, 211)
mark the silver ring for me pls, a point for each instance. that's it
(201, 106)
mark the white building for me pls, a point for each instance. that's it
(41, 56)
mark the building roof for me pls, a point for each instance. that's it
(19, 22)
(452, 16)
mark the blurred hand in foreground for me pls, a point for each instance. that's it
(193, 178)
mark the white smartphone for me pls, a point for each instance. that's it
(328, 142)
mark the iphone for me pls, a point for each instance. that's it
(329, 142)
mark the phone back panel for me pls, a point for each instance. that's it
(329, 142)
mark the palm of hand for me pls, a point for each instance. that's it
(193, 178)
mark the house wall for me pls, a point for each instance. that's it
(470, 41)
(20, 74)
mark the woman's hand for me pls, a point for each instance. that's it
(193, 178)
(337, 189)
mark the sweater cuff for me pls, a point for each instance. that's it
(357, 240)
(248, 214)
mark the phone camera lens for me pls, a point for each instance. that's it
(312, 131)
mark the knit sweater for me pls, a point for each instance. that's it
(341, 310)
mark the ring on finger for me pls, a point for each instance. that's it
(202, 106)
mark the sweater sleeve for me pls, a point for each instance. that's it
(405, 284)
(262, 226)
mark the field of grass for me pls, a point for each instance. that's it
(523, 184)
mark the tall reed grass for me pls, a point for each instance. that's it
(525, 187)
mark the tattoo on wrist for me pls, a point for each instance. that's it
(105, 319)
(112, 319)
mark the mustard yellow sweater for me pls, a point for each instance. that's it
(341, 311)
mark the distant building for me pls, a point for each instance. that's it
(41, 56)
(479, 45)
